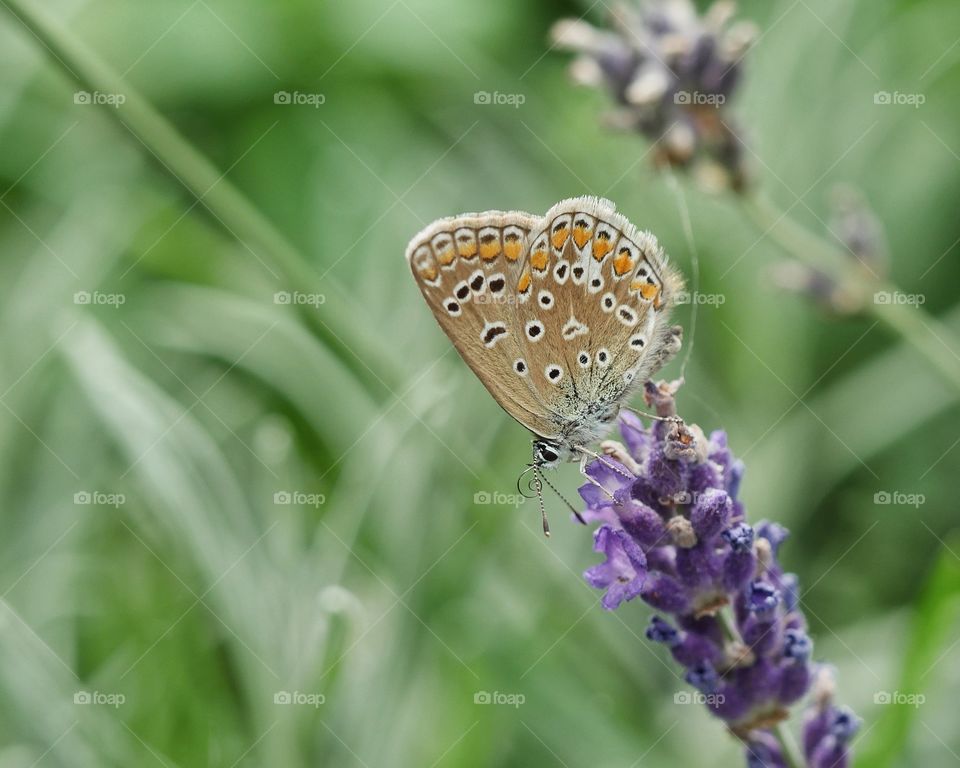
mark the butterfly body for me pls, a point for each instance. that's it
(562, 317)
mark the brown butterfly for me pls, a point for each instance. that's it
(561, 317)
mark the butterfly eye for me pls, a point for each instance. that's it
(544, 454)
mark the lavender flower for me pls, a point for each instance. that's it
(671, 73)
(674, 533)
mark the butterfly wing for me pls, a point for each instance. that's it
(468, 268)
(594, 312)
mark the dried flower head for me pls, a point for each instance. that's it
(672, 74)
(674, 533)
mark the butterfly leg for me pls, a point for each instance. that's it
(584, 460)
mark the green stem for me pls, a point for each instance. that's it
(340, 328)
(787, 746)
(924, 332)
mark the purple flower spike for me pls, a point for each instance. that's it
(763, 751)
(797, 645)
(623, 573)
(674, 534)
(703, 677)
(762, 599)
(661, 631)
(739, 537)
(711, 514)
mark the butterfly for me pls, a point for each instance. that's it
(562, 317)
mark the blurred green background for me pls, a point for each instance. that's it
(214, 502)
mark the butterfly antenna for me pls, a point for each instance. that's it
(534, 490)
(694, 261)
(562, 498)
(538, 485)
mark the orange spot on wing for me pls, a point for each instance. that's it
(581, 235)
(428, 272)
(601, 248)
(523, 285)
(539, 261)
(649, 291)
(445, 257)
(467, 250)
(559, 238)
(623, 263)
(512, 250)
(489, 251)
